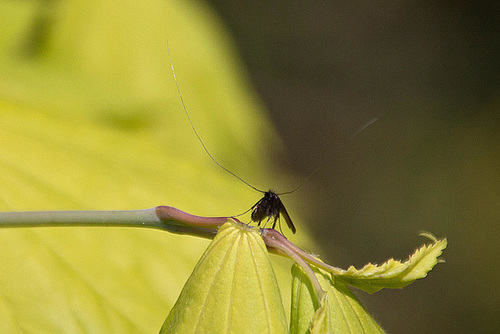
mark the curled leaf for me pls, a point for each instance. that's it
(393, 273)
(232, 289)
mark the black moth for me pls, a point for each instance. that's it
(270, 206)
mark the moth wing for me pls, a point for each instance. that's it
(288, 220)
(257, 213)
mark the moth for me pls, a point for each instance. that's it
(270, 206)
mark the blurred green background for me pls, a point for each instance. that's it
(99, 71)
(90, 119)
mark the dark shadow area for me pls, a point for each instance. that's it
(430, 72)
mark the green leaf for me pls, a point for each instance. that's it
(395, 274)
(232, 289)
(338, 311)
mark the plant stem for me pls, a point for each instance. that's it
(161, 217)
(130, 218)
(276, 240)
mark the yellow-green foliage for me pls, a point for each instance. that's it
(395, 274)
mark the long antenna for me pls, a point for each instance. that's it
(196, 132)
(344, 143)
